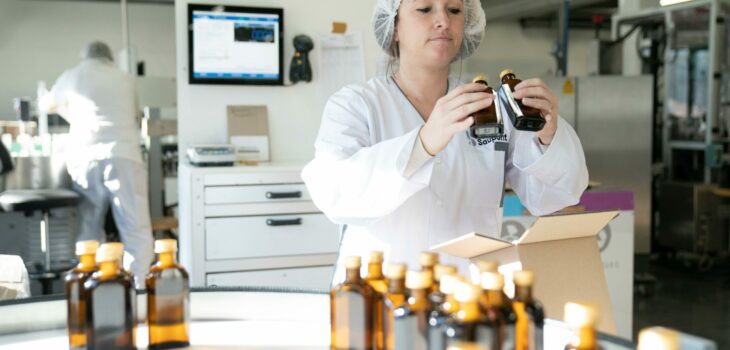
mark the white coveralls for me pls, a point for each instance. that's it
(368, 136)
(104, 157)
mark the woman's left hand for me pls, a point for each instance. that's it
(535, 93)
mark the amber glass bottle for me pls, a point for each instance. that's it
(351, 303)
(75, 303)
(437, 297)
(532, 119)
(394, 298)
(110, 314)
(376, 281)
(469, 325)
(659, 338)
(168, 299)
(438, 320)
(411, 319)
(428, 261)
(498, 308)
(486, 121)
(530, 313)
(582, 318)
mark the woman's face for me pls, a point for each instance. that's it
(430, 30)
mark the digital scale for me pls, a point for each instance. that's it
(212, 155)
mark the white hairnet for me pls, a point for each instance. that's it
(474, 23)
(96, 50)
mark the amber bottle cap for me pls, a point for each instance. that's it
(395, 271)
(487, 266)
(465, 346)
(480, 77)
(376, 257)
(448, 284)
(428, 259)
(524, 278)
(165, 246)
(108, 252)
(465, 292)
(439, 271)
(505, 72)
(353, 262)
(419, 279)
(492, 281)
(658, 338)
(86, 247)
(580, 314)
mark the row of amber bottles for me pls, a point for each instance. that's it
(101, 300)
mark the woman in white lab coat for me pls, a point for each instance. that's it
(394, 164)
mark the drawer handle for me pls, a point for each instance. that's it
(286, 222)
(280, 195)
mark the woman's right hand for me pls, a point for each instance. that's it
(452, 115)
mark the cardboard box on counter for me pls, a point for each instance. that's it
(561, 250)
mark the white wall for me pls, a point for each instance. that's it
(294, 111)
(40, 39)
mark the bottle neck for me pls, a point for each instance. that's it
(166, 259)
(397, 286)
(353, 275)
(468, 312)
(375, 271)
(109, 268)
(586, 338)
(495, 298)
(418, 299)
(523, 293)
(87, 262)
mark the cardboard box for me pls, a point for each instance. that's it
(561, 250)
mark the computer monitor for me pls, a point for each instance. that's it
(235, 45)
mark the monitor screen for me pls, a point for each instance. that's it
(235, 45)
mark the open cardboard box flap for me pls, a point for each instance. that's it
(563, 253)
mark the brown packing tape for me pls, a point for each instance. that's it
(339, 27)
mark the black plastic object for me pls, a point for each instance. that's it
(301, 69)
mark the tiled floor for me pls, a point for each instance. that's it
(685, 299)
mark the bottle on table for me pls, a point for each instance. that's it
(437, 297)
(74, 283)
(530, 313)
(498, 308)
(110, 314)
(582, 318)
(439, 319)
(411, 319)
(428, 261)
(351, 310)
(168, 299)
(528, 118)
(394, 298)
(375, 279)
(468, 326)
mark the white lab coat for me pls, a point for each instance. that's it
(357, 177)
(104, 157)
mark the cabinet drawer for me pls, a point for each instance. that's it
(271, 235)
(256, 194)
(317, 277)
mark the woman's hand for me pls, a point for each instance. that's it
(535, 93)
(451, 115)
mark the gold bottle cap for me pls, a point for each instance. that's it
(480, 77)
(658, 338)
(465, 345)
(109, 252)
(581, 314)
(165, 246)
(86, 247)
(524, 278)
(396, 271)
(353, 262)
(419, 279)
(505, 72)
(376, 257)
(487, 266)
(465, 292)
(428, 259)
(439, 271)
(115, 245)
(448, 284)
(492, 281)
